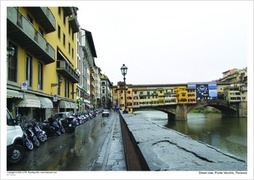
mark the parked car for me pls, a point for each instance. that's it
(105, 113)
(15, 141)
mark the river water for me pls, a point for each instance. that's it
(227, 134)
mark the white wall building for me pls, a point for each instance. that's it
(85, 62)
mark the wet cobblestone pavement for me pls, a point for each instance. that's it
(111, 157)
(95, 146)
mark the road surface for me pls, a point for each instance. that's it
(95, 146)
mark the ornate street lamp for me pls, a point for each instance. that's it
(10, 52)
(124, 72)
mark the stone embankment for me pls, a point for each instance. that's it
(152, 147)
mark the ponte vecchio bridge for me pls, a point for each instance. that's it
(179, 111)
(178, 99)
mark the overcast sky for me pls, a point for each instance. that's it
(168, 41)
(163, 41)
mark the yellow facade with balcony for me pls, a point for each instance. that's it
(160, 97)
(192, 99)
(129, 99)
(182, 94)
(44, 62)
(122, 97)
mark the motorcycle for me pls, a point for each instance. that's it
(49, 129)
(81, 118)
(32, 136)
(58, 125)
(42, 136)
(52, 127)
(27, 141)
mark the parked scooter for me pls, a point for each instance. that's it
(31, 135)
(42, 136)
(81, 118)
(27, 141)
(49, 129)
(58, 125)
(54, 126)
(70, 123)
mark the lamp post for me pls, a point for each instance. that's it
(10, 52)
(60, 80)
(124, 72)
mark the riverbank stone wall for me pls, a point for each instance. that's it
(158, 148)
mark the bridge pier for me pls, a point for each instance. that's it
(230, 114)
(181, 112)
(236, 112)
(171, 117)
(243, 109)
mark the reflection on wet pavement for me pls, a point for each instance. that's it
(78, 151)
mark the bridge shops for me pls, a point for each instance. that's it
(178, 99)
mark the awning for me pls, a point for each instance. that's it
(64, 104)
(89, 105)
(86, 101)
(69, 105)
(73, 105)
(46, 102)
(14, 94)
(30, 101)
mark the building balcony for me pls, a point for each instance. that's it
(44, 17)
(73, 21)
(67, 71)
(92, 76)
(68, 11)
(92, 95)
(92, 84)
(170, 98)
(170, 103)
(21, 31)
(244, 88)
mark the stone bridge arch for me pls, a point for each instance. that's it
(170, 110)
(179, 111)
(227, 109)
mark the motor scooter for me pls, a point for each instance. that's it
(31, 135)
(49, 129)
(58, 125)
(27, 141)
(42, 136)
(27, 135)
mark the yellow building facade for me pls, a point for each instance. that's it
(41, 75)
(181, 94)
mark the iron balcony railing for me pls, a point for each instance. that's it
(44, 17)
(66, 70)
(68, 11)
(22, 31)
(92, 84)
(92, 76)
(73, 21)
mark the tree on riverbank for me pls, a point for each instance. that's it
(205, 110)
